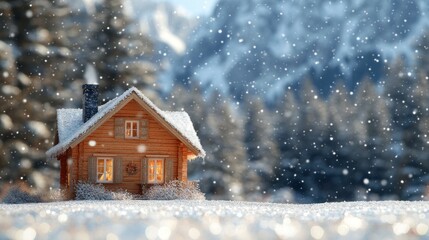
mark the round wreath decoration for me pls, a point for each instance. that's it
(131, 168)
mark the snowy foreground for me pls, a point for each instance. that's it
(214, 220)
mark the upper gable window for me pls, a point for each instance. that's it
(131, 129)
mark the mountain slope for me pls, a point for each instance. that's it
(259, 47)
(165, 23)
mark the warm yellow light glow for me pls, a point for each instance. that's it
(159, 172)
(151, 171)
(104, 170)
(156, 171)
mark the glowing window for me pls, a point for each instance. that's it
(155, 171)
(131, 129)
(104, 170)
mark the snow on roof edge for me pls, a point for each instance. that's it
(195, 141)
(192, 139)
(187, 126)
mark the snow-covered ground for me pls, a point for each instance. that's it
(214, 220)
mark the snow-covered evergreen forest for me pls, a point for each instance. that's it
(360, 132)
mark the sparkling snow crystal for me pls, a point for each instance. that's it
(214, 220)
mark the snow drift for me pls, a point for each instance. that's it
(214, 220)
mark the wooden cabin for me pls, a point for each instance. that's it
(127, 143)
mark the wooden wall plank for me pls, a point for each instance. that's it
(179, 162)
(73, 172)
(184, 164)
(63, 169)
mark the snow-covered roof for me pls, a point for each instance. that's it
(71, 127)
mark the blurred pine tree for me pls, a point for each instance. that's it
(119, 52)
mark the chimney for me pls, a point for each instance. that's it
(90, 101)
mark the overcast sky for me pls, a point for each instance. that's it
(195, 7)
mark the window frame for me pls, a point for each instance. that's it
(137, 122)
(155, 181)
(104, 159)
